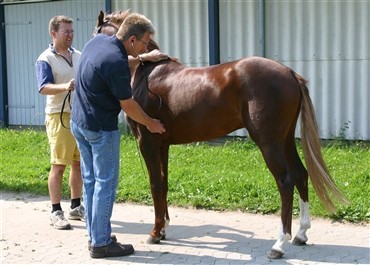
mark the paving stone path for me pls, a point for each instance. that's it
(193, 237)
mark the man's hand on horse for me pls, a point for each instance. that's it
(154, 56)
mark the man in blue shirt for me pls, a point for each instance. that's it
(102, 89)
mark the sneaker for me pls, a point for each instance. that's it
(77, 213)
(58, 220)
(114, 249)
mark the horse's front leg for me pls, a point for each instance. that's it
(164, 181)
(152, 156)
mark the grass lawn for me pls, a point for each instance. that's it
(228, 175)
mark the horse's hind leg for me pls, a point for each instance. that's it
(304, 224)
(301, 182)
(274, 155)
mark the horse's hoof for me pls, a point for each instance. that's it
(153, 240)
(163, 236)
(298, 242)
(274, 254)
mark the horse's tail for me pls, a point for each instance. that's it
(321, 180)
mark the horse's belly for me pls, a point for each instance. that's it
(208, 129)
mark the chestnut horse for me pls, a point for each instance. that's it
(204, 103)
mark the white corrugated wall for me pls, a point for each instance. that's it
(325, 41)
(27, 35)
(328, 43)
(181, 27)
(239, 34)
(239, 29)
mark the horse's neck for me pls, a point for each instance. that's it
(133, 73)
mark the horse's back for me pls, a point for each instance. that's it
(210, 102)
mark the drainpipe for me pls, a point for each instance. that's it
(261, 29)
(4, 113)
(108, 6)
(214, 31)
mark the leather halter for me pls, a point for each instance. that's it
(105, 23)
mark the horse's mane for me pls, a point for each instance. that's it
(117, 17)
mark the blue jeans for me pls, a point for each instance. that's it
(99, 156)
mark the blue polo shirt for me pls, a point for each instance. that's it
(102, 79)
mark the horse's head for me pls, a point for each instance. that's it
(110, 23)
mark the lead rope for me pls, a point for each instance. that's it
(140, 156)
(68, 96)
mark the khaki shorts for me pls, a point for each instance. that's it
(63, 146)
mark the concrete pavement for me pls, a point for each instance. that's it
(193, 237)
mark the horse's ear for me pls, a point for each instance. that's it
(100, 20)
(99, 23)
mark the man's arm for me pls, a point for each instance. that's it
(135, 112)
(45, 80)
(53, 89)
(153, 56)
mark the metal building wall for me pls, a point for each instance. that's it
(239, 29)
(181, 27)
(325, 41)
(239, 34)
(328, 43)
(27, 36)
